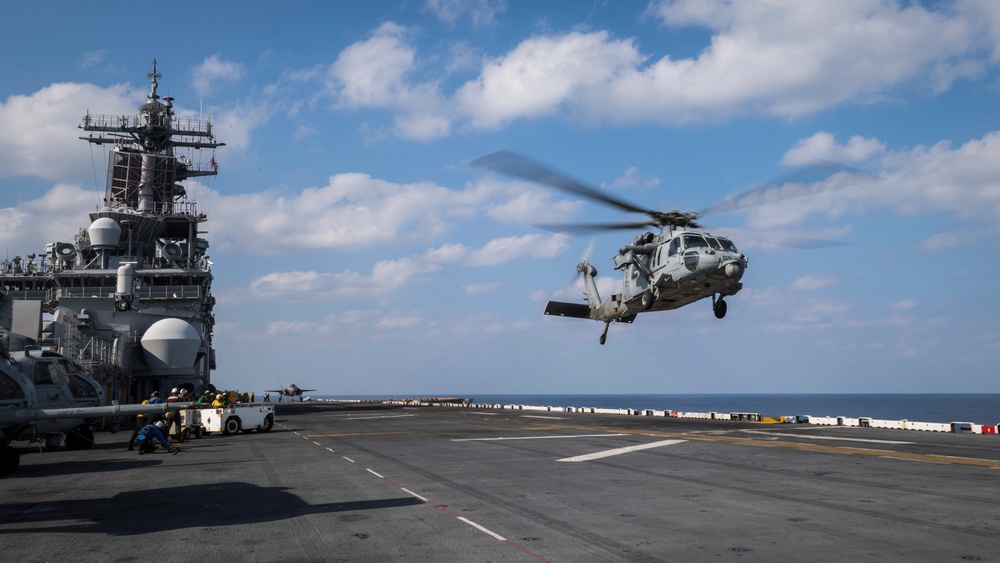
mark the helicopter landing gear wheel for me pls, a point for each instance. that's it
(720, 307)
(646, 300)
(604, 335)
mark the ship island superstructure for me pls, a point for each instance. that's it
(130, 299)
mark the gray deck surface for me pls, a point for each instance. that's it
(449, 484)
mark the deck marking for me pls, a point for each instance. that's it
(317, 443)
(349, 417)
(373, 473)
(533, 437)
(540, 416)
(331, 450)
(619, 451)
(342, 434)
(482, 529)
(869, 440)
(348, 459)
(408, 491)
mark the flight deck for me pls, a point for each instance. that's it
(338, 483)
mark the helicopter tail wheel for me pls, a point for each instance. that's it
(604, 335)
(647, 300)
(720, 308)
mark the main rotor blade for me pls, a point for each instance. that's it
(588, 228)
(810, 180)
(513, 164)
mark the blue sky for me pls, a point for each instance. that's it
(355, 251)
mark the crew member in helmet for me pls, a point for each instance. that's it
(154, 398)
(173, 418)
(218, 402)
(147, 434)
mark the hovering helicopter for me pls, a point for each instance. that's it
(290, 391)
(676, 266)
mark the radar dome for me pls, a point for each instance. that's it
(171, 343)
(104, 232)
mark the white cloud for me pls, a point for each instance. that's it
(502, 250)
(784, 59)
(544, 73)
(632, 179)
(375, 72)
(213, 72)
(822, 146)
(812, 282)
(480, 13)
(941, 241)
(39, 134)
(904, 305)
(93, 58)
(352, 211)
(386, 276)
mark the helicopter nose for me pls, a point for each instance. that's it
(733, 270)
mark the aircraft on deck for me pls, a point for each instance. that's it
(290, 391)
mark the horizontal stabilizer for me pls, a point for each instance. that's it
(575, 310)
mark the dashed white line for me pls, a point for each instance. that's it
(482, 529)
(331, 450)
(408, 491)
(619, 451)
(373, 473)
(317, 443)
(533, 437)
(348, 459)
(540, 416)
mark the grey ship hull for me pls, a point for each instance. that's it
(334, 483)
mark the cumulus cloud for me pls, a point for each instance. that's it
(375, 73)
(823, 146)
(213, 73)
(386, 276)
(352, 211)
(39, 134)
(782, 59)
(502, 250)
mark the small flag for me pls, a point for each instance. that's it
(213, 164)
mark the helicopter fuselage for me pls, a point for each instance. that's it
(676, 268)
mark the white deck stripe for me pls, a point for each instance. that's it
(373, 473)
(482, 529)
(533, 437)
(619, 451)
(408, 491)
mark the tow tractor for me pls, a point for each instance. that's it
(230, 419)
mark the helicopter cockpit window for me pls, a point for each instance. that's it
(67, 366)
(9, 389)
(714, 243)
(81, 388)
(728, 245)
(675, 245)
(695, 241)
(46, 373)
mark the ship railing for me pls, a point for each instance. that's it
(27, 294)
(145, 292)
(184, 127)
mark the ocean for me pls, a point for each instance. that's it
(978, 408)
